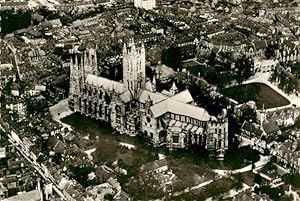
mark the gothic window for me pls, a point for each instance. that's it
(107, 99)
(148, 119)
(93, 58)
(118, 109)
(78, 59)
(175, 139)
(220, 143)
(162, 134)
(100, 110)
(151, 135)
(220, 130)
(216, 131)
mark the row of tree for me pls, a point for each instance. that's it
(286, 81)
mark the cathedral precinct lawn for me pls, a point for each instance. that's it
(106, 142)
(109, 150)
(258, 92)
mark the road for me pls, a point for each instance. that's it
(43, 171)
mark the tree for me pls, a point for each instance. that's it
(12, 21)
(244, 68)
(212, 58)
(274, 193)
(144, 187)
(214, 190)
(270, 51)
(80, 174)
(171, 57)
(257, 179)
(274, 76)
(108, 196)
(238, 182)
(292, 179)
(249, 115)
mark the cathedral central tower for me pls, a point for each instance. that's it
(134, 72)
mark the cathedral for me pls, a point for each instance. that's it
(133, 106)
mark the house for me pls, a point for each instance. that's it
(264, 65)
(250, 196)
(254, 136)
(259, 48)
(33, 195)
(51, 24)
(14, 5)
(3, 191)
(157, 166)
(37, 17)
(251, 130)
(294, 135)
(288, 51)
(2, 152)
(19, 108)
(271, 128)
(7, 74)
(57, 145)
(36, 55)
(114, 184)
(288, 156)
(239, 109)
(161, 172)
(283, 117)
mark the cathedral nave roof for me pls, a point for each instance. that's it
(105, 83)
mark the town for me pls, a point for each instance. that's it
(149, 100)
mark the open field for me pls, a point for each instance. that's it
(262, 94)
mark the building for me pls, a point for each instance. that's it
(28, 196)
(133, 106)
(264, 65)
(145, 4)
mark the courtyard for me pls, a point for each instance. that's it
(262, 94)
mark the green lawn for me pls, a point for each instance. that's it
(240, 157)
(258, 92)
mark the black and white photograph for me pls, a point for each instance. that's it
(149, 100)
